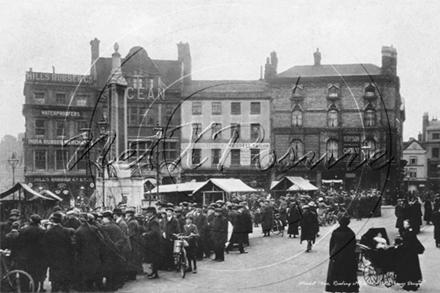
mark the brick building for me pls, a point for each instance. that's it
(431, 140)
(240, 112)
(332, 109)
(57, 106)
(416, 156)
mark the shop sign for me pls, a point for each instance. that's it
(59, 142)
(59, 179)
(60, 113)
(248, 146)
(58, 78)
(351, 143)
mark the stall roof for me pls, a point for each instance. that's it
(51, 194)
(339, 181)
(180, 187)
(228, 185)
(18, 186)
(297, 183)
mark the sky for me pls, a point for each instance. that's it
(228, 40)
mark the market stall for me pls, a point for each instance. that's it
(223, 189)
(291, 184)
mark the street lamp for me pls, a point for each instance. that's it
(158, 131)
(13, 162)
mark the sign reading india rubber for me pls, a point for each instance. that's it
(45, 77)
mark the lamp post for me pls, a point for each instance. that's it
(13, 162)
(103, 129)
(158, 131)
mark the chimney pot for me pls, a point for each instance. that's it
(317, 56)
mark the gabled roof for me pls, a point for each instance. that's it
(180, 187)
(331, 70)
(293, 183)
(227, 185)
(10, 195)
(407, 144)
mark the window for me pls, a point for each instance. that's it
(413, 160)
(40, 128)
(60, 128)
(296, 91)
(369, 117)
(235, 129)
(412, 172)
(196, 156)
(39, 98)
(138, 116)
(436, 136)
(332, 148)
(369, 147)
(435, 152)
(215, 156)
(197, 108)
(81, 100)
(298, 148)
(235, 108)
(255, 107)
(235, 157)
(369, 91)
(170, 150)
(169, 108)
(40, 160)
(255, 156)
(255, 131)
(333, 92)
(333, 118)
(215, 128)
(296, 116)
(61, 99)
(216, 108)
(61, 159)
(150, 83)
(82, 125)
(196, 129)
(137, 82)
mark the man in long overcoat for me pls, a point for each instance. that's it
(172, 227)
(266, 218)
(436, 223)
(200, 221)
(342, 269)
(113, 260)
(152, 236)
(89, 243)
(294, 216)
(125, 244)
(59, 249)
(135, 255)
(428, 211)
(219, 234)
(239, 229)
(309, 227)
(401, 213)
(32, 251)
(249, 227)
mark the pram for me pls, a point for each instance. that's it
(377, 263)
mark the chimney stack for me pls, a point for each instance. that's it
(317, 57)
(270, 69)
(419, 137)
(389, 60)
(184, 56)
(425, 124)
(95, 55)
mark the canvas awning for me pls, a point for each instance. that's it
(180, 187)
(49, 193)
(294, 183)
(9, 195)
(338, 181)
(227, 185)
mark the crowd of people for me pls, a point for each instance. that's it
(103, 249)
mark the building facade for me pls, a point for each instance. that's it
(11, 145)
(416, 156)
(226, 131)
(431, 141)
(329, 110)
(57, 107)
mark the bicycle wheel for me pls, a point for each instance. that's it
(182, 265)
(177, 261)
(17, 281)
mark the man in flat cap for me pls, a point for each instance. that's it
(6, 227)
(309, 227)
(172, 227)
(219, 235)
(126, 244)
(72, 220)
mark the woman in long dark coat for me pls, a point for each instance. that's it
(428, 211)
(408, 270)
(436, 223)
(266, 218)
(309, 227)
(342, 268)
(293, 218)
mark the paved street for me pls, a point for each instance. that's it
(279, 264)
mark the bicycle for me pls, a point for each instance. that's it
(278, 227)
(15, 280)
(179, 251)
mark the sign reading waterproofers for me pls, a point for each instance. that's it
(58, 78)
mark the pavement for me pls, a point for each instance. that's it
(280, 264)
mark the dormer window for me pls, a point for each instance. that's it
(370, 91)
(333, 92)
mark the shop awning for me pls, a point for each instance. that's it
(49, 193)
(9, 195)
(180, 187)
(337, 181)
(293, 183)
(227, 185)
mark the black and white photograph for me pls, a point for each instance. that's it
(219, 146)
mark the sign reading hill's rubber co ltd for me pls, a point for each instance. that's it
(45, 77)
